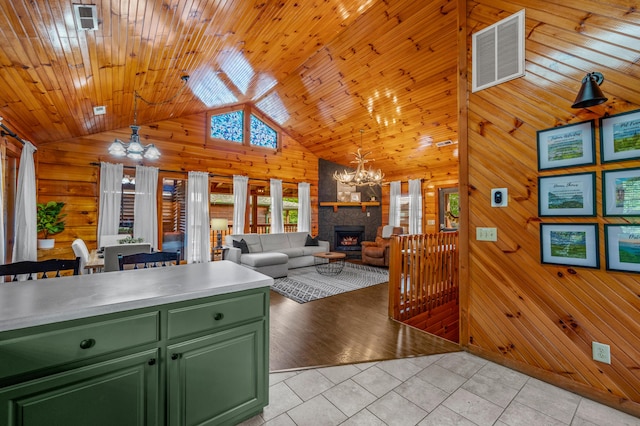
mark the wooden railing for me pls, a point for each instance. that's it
(423, 273)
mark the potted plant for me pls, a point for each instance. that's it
(50, 221)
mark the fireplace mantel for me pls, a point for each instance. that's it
(335, 205)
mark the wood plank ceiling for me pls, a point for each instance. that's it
(323, 70)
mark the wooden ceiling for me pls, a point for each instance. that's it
(323, 70)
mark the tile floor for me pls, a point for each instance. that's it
(451, 389)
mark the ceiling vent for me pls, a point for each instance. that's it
(99, 110)
(86, 16)
(444, 143)
(498, 52)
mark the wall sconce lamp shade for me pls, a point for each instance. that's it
(219, 225)
(590, 93)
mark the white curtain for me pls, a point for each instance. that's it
(415, 206)
(304, 207)
(394, 203)
(276, 206)
(240, 188)
(25, 238)
(110, 198)
(198, 244)
(145, 205)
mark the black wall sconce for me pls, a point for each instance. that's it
(590, 93)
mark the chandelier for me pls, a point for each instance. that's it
(134, 149)
(362, 175)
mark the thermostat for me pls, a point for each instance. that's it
(499, 197)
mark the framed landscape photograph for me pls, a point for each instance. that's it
(566, 146)
(622, 243)
(567, 195)
(621, 192)
(569, 244)
(620, 136)
(355, 197)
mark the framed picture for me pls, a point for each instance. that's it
(620, 136)
(569, 244)
(567, 195)
(566, 146)
(355, 197)
(622, 244)
(621, 192)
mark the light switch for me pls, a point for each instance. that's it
(486, 234)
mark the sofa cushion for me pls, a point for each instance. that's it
(242, 245)
(253, 242)
(375, 251)
(272, 242)
(291, 251)
(309, 250)
(257, 260)
(297, 239)
(311, 241)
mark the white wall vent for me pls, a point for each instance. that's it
(99, 110)
(498, 52)
(86, 16)
(444, 143)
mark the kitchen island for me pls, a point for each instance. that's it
(177, 345)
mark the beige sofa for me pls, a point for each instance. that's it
(273, 254)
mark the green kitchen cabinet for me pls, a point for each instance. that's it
(199, 361)
(122, 391)
(217, 379)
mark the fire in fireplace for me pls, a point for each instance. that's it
(348, 238)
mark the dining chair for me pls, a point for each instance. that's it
(80, 250)
(45, 267)
(111, 254)
(149, 260)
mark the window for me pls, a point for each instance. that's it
(174, 215)
(228, 126)
(262, 135)
(449, 208)
(241, 126)
(126, 205)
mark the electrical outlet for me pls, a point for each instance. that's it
(601, 352)
(486, 234)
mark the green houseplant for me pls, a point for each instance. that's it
(50, 221)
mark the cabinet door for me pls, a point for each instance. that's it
(123, 391)
(219, 378)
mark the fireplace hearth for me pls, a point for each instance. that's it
(348, 238)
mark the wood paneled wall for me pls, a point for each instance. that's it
(540, 318)
(64, 171)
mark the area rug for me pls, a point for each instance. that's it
(305, 284)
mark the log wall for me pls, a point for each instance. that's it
(537, 317)
(65, 172)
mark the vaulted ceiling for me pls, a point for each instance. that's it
(322, 69)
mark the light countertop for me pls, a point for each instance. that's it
(30, 303)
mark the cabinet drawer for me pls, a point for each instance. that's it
(34, 351)
(216, 314)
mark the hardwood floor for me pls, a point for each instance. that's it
(347, 328)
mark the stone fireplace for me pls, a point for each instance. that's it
(348, 238)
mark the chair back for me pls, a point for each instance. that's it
(111, 240)
(45, 267)
(111, 254)
(149, 260)
(80, 250)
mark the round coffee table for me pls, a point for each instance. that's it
(330, 263)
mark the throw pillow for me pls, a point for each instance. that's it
(312, 241)
(242, 245)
